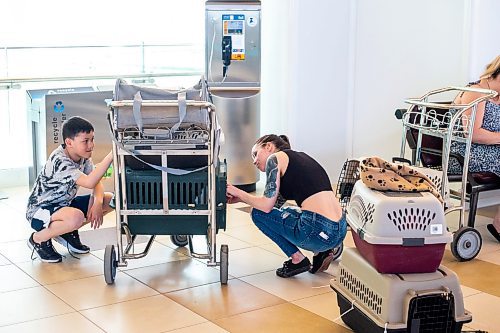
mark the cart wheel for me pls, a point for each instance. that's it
(466, 244)
(179, 240)
(338, 251)
(224, 263)
(110, 264)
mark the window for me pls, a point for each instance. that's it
(59, 44)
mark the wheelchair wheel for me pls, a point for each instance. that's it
(466, 244)
(224, 263)
(110, 264)
(337, 252)
(179, 240)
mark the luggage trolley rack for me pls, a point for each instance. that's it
(168, 180)
(449, 122)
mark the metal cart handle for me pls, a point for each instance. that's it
(420, 101)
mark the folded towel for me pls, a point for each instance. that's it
(381, 175)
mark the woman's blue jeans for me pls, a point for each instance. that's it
(291, 229)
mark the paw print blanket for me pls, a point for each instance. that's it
(381, 175)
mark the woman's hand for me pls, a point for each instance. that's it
(232, 194)
(232, 200)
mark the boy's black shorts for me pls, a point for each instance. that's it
(41, 219)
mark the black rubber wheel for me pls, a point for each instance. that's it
(179, 240)
(224, 263)
(110, 264)
(466, 244)
(337, 252)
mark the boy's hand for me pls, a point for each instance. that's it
(95, 215)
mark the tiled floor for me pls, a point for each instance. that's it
(167, 291)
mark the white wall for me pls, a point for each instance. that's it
(334, 71)
(275, 16)
(320, 81)
(306, 88)
(403, 49)
(484, 36)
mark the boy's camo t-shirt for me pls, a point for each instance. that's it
(56, 183)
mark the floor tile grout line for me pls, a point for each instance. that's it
(161, 293)
(89, 319)
(184, 327)
(284, 301)
(41, 318)
(49, 291)
(20, 289)
(275, 305)
(119, 302)
(53, 283)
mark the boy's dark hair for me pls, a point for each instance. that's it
(75, 125)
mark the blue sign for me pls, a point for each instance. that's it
(227, 17)
(59, 107)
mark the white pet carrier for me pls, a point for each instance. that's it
(398, 232)
(429, 302)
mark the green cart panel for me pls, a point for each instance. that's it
(144, 190)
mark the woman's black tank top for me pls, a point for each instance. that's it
(303, 177)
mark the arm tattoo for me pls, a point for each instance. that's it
(280, 201)
(271, 175)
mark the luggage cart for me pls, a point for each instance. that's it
(448, 122)
(168, 179)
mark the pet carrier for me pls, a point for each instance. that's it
(374, 302)
(138, 114)
(350, 174)
(398, 232)
(168, 178)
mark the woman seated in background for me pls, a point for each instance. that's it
(485, 149)
(318, 226)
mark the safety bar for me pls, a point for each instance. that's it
(420, 101)
(256, 89)
(160, 102)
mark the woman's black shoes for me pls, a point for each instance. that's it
(491, 228)
(321, 261)
(290, 269)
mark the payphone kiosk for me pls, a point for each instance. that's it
(232, 69)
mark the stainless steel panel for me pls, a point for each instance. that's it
(238, 113)
(240, 72)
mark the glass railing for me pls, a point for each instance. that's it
(34, 68)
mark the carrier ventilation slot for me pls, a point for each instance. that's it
(367, 210)
(144, 193)
(432, 313)
(361, 291)
(411, 218)
(187, 193)
(180, 193)
(438, 182)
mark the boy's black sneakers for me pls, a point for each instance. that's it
(71, 241)
(290, 269)
(45, 250)
(321, 261)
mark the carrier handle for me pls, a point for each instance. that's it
(181, 97)
(136, 110)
